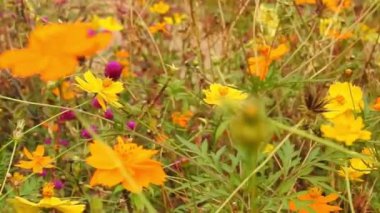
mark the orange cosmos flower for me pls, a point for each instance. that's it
(53, 50)
(126, 163)
(181, 119)
(333, 5)
(318, 201)
(337, 5)
(158, 27)
(37, 160)
(259, 65)
(376, 106)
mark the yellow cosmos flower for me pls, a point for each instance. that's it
(268, 148)
(108, 23)
(22, 205)
(106, 90)
(367, 33)
(352, 174)
(218, 94)
(176, 19)
(359, 167)
(126, 163)
(343, 96)
(37, 162)
(160, 8)
(346, 128)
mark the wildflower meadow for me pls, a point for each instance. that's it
(251, 106)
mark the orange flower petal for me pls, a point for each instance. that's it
(106, 177)
(101, 156)
(39, 151)
(27, 153)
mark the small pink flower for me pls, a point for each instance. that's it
(131, 125)
(108, 114)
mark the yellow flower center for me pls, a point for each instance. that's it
(107, 82)
(340, 99)
(124, 148)
(315, 192)
(39, 160)
(223, 91)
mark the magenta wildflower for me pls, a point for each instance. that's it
(108, 114)
(64, 142)
(67, 115)
(95, 103)
(113, 70)
(58, 184)
(131, 125)
(85, 133)
(47, 141)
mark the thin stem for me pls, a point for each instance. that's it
(9, 166)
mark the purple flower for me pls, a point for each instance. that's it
(131, 125)
(58, 184)
(85, 133)
(113, 70)
(108, 114)
(67, 115)
(43, 173)
(64, 142)
(95, 103)
(47, 141)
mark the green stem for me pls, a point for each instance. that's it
(250, 164)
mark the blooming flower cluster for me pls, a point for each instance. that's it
(163, 10)
(343, 101)
(163, 105)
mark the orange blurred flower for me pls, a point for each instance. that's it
(333, 5)
(181, 119)
(318, 202)
(259, 65)
(66, 90)
(51, 126)
(161, 137)
(376, 106)
(340, 36)
(17, 178)
(126, 163)
(48, 189)
(158, 27)
(53, 50)
(37, 161)
(123, 58)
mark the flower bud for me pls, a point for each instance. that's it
(250, 127)
(113, 70)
